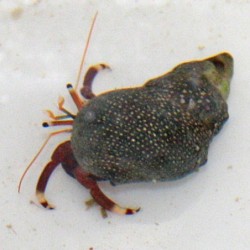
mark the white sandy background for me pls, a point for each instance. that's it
(41, 44)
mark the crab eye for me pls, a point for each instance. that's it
(90, 116)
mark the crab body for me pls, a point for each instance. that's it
(156, 132)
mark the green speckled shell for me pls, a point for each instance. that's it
(156, 132)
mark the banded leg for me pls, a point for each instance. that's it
(61, 152)
(87, 181)
(86, 91)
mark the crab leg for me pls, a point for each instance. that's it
(86, 91)
(106, 203)
(61, 152)
(42, 183)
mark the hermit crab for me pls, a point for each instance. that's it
(157, 132)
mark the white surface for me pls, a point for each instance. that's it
(41, 43)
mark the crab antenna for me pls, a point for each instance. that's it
(38, 153)
(85, 50)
